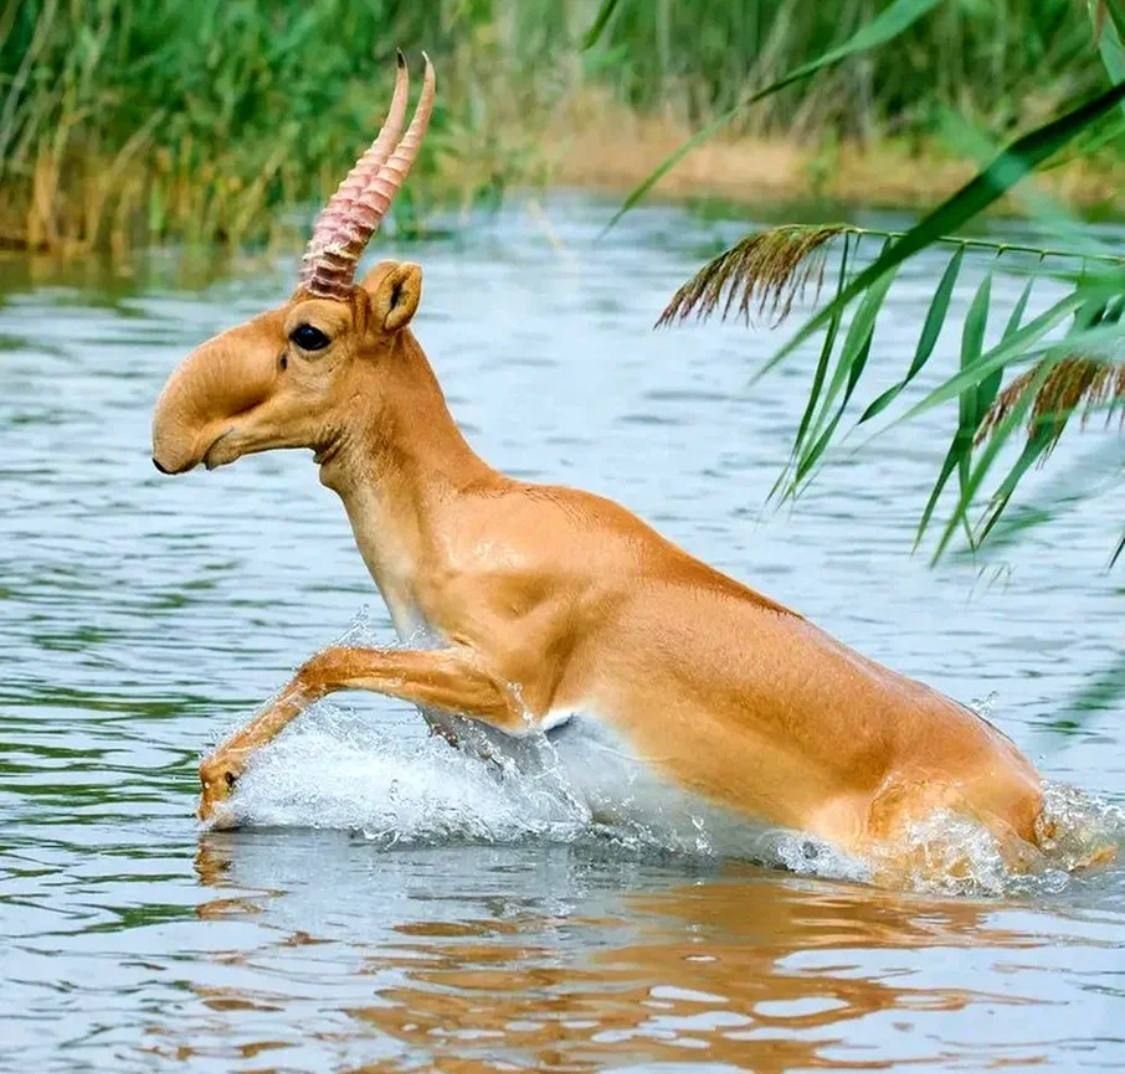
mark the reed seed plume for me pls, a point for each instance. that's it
(1074, 382)
(761, 276)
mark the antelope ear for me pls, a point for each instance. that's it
(395, 289)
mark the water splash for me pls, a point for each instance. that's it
(396, 785)
(956, 855)
(336, 771)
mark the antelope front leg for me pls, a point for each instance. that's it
(450, 679)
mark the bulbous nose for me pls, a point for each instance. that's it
(226, 376)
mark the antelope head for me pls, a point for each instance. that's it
(289, 377)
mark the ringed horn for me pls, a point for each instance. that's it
(353, 214)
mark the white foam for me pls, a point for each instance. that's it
(338, 769)
(334, 770)
(396, 785)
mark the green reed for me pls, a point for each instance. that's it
(999, 61)
(131, 121)
(135, 120)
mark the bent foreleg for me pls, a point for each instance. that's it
(448, 679)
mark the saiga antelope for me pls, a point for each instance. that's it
(549, 607)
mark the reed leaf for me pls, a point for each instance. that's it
(931, 329)
(1021, 347)
(823, 359)
(958, 456)
(810, 458)
(1047, 396)
(849, 368)
(1034, 450)
(973, 402)
(1100, 9)
(1015, 318)
(601, 21)
(980, 470)
(1109, 36)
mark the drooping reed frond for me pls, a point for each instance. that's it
(1074, 382)
(768, 270)
(762, 274)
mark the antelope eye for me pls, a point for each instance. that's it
(309, 338)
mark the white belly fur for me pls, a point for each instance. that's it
(595, 766)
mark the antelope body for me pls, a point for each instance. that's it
(550, 608)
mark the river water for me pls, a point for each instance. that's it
(391, 907)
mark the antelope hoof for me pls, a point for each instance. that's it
(218, 778)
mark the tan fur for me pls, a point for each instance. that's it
(551, 600)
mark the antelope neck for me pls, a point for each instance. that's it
(397, 465)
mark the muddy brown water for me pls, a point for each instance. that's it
(391, 908)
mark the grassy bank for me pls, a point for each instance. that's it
(127, 122)
(607, 147)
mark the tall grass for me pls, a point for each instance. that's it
(132, 121)
(126, 121)
(996, 61)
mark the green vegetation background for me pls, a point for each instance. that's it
(131, 121)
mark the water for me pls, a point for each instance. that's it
(437, 920)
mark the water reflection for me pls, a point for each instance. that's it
(549, 962)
